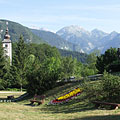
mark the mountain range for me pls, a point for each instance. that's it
(89, 41)
(72, 38)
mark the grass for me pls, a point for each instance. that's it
(77, 109)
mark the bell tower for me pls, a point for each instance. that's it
(7, 45)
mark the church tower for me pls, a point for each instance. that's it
(7, 45)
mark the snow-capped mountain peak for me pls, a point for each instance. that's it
(98, 33)
(73, 30)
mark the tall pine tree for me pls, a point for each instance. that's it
(3, 69)
(18, 67)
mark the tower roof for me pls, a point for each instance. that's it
(6, 36)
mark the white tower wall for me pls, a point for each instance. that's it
(8, 50)
(7, 45)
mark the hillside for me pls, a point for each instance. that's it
(16, 29)
(55, 40)
(82, 57)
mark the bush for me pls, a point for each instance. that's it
(111, 87)
(107, 89)
(93, 89)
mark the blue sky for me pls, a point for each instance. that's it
(56, 14)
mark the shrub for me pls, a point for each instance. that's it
(111, 87)
(93, 89)
(107, 89)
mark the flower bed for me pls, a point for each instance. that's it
(65, 98)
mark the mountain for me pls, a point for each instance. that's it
(16, 29)
(55, 40)
(77, 35)
(73, 30)
(90, 40)
(112, 40)
(97, 36)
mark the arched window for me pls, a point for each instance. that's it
(6, 45)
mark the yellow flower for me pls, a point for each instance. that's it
(72, 93)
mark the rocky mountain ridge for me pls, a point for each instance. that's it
(90, 40)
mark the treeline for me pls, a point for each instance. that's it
(109, 61)
(82, 57)
(37, 67)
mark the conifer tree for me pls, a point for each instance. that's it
(2, 67)
(2, 62)
(19, 62)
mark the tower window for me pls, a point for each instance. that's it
(6, 45)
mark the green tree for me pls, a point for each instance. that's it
(106, 60)
(2, 62)
(87, 71)
(44, 70)
(91, 60)
(79, 69)
(68, 66)
(2, 67)
(18, 67)
(111, 87)
(43, 76)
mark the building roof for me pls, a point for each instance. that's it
(6, 37)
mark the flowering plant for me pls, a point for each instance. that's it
(68, 96)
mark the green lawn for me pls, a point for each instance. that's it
(77, 109)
